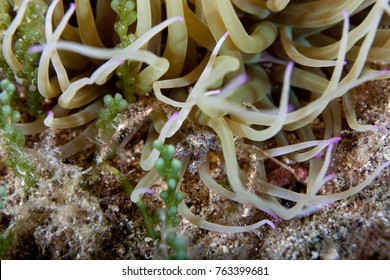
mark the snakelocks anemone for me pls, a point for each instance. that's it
(227, 78)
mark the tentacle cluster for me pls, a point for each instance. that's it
(210, 69)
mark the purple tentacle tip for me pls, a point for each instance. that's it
(331, 176)
(376, 127)
(335, 140)
(271, 224)
(35, 48)
(345, 14)
(290, 108)
(174, 115)
(243, 78)
(149, 191)
(273, 215)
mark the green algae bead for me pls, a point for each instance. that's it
(172, 183)
(16, 117)
(157, 144)
(5, 98)
(108, 99)
(172, 211)
(160, 165)
(179, 196)
(169, 152)
(164, 195)
(105, 115)
(7, 86)
(6, 110)
(176, 165)
(123, 104)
